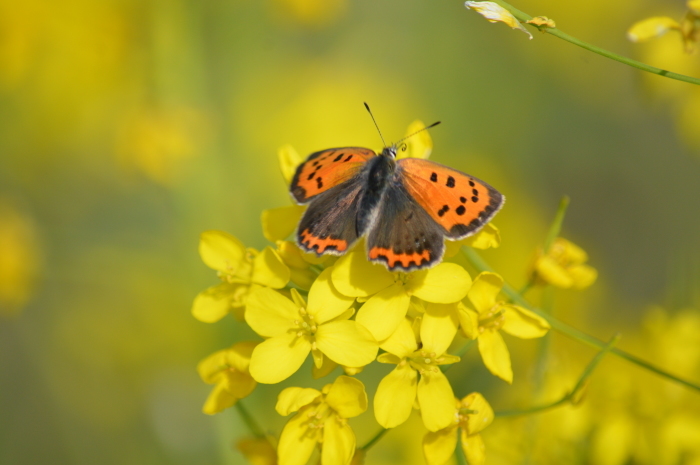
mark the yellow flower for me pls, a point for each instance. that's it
(294, 329)
(471, 416)
(241, 271)
(494, 13)
(321, 419)
(400, 389)
(388, 294)
(488, 237)
(656, 26)
(486, 316)
(564, 266)
(228, 370)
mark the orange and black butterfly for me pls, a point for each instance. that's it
(406, 207)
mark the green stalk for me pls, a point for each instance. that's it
(374, 440)
(524, 17)
(479, 263)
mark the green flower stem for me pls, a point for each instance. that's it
(479, 263)
(572, 397)
(374, 440)
(250, 422)
(523, 17)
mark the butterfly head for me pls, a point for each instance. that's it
(391, 150)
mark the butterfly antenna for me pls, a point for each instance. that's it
(420, 130)
(375, 123)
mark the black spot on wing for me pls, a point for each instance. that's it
(450, 181)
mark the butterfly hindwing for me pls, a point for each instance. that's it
(329, 225)
(403, 236)
(461, 204)
(327, 169)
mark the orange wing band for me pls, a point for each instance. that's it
(405, 259)
(319, 246)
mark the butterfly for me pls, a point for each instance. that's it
(405, 207)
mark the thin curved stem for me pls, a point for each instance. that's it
(250, 422)
(479, 263)
(374, 440)
(521, 16)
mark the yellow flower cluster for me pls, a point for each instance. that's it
(656, 26)
(348, 312)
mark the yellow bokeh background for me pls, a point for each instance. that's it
(128, 127)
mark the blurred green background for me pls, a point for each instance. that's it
(128, 127)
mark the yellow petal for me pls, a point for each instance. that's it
(439, 327)
(292, 399)
(395, 395)
(494, 12)
(444, 284)
(325, 302)
(651, 27)
(237, 357)
(344, 343)
(219, 399)
(221, 251)
(347, 397)
(484, 291)
(436, 399)
(304, 278)
(269, 269)
(439, 446)
(257, 451)
(238, 384)
(695, 6)
(354, 276)
(389, 358)
(291, 254)
(522, 323)
(483, 417)
(338, 442)
(570, 252)
(401, 343)
(552, 272)
(473, 448)
(269, 313)
(542, 21)
(279, 223)
(495, 355)
(289, 160)
(326, 368)
(297, 441)
(278, 358)
(419, 145)
(582, 276)
(468, 321)
(214, 303)
(384, 311)
(488, 237)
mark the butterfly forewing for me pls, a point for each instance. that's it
(461, 204)
(326, 169)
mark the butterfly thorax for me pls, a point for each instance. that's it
(380, 171)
